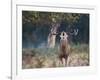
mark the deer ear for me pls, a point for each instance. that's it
(66, 36)
(60, 36)
(51, 29)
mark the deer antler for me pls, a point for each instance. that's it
(76, 31)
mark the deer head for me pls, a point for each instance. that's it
(64, 35)
(54, 28)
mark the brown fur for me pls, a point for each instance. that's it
(64, 49)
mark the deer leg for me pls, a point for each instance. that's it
(66, 61)
(60, 61)
(63, 61)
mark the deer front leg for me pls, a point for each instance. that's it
(66, 61)
(60, 61)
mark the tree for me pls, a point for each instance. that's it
(36, 23)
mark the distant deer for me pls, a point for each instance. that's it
(52, 35)
(64, 48)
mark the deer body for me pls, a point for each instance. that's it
(64, 49)
(51, 40)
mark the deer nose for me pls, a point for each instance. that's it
(63, 34)
(63, 38)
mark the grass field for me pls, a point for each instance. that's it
(48, 58)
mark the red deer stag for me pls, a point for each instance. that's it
(52, 35)
(64, 48)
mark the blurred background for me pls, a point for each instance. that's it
(36, 27)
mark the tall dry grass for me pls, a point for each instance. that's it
(48, 58)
